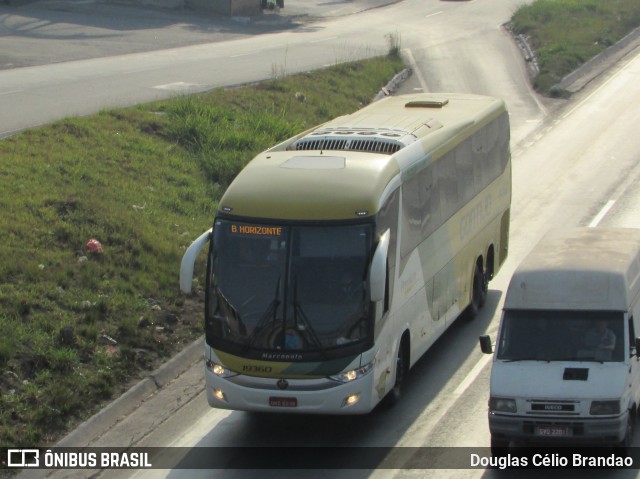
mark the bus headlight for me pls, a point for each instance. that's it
(219, 394)
(502, 405)
(219, 370)
(354, 374)
(351, 400)
(604, 407)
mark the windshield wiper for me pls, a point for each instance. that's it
(523, 358)
(268, 317)
(229, 311)
(549, 359)
(305, 326)
(587, 359)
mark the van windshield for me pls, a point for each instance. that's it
(547, 335)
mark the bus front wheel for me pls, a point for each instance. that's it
(402, 368)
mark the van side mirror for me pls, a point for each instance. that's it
(485, 344)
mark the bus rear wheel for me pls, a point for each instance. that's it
(479, 289)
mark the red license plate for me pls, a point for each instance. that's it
(283, 402)
(553, 431)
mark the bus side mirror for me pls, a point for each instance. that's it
(637, 343)
(485, 344)
(189, 261)
(378, 271)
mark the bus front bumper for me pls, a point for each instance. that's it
(313, 396)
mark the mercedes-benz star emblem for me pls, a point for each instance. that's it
(283, 384)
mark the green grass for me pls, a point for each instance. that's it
(77, 327)
(567, 33)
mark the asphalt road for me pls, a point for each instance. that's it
(52, 31)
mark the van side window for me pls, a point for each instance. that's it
(634, 313)
(632, 338)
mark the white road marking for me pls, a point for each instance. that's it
(473, 374)
(602, 214)
(323, 40)
(11, 92)
(416, 71)
(177, 86)
(246, 54)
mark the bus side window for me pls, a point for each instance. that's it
(447, 185)
(388, 220)
(386, 290)
(381, 307)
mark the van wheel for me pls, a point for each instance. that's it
(478, 293)
(402, 363)
(499, 447)
(625, 444)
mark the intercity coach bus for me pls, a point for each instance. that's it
(339, 256)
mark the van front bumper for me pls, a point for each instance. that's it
(609, 430)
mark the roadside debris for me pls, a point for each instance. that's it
(94, 246)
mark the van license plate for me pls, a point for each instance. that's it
(283, 402)
(553, 431)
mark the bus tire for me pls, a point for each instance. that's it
(479, 289)
(401, 370)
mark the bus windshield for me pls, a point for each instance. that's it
(554, 335)
(288, 288)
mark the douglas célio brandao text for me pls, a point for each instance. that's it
(550, 460)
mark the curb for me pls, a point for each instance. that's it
(394, 84)
(104, 420)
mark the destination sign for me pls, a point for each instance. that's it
(256, 230)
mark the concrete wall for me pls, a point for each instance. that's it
(240, 8)
(227, 7)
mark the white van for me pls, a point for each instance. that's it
(566, 368)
